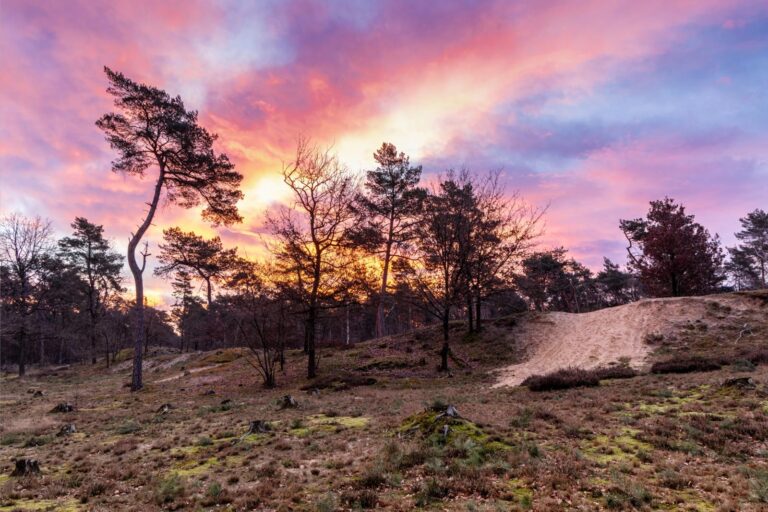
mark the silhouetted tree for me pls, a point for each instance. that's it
(312, 236)
(152, 129)
(741, 268)
(616, 286)
(673, 254)
(502, 230)
(553, 282)
(749, 260)
(24, 243)
(389, 205)
(442, 251)
(90, 255)
(187, 312)
(191, 253)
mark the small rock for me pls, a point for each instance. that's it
(226, 401)
(209, 392)
(37, 393)
(25, 467)
(63, 407)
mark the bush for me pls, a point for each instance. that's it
(687, 365)
(431, 490)
(755, 356)
(37, 441)
(169, 489)
(562, 379)
(364, 499)
(615, 372)
(129, 427)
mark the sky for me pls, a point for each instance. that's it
(590, 108)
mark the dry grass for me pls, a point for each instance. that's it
(672, 441)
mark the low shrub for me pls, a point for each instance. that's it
(686, 365)
(364, 499)
(37, 441)
(562, 379)
(755, 355)
(169, 489)
(615, 372)
(129, 427)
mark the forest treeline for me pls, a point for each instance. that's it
(351, 257)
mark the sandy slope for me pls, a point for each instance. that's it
(558, 340)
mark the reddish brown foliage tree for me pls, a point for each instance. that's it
(673, 254)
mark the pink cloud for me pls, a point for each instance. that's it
(427, 76)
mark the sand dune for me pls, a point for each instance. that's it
(558, 340)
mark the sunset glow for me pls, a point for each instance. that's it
(593, 108)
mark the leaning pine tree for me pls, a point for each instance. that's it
(154, 130)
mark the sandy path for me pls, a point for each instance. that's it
(559, 340)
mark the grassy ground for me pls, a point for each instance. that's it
(653, 442)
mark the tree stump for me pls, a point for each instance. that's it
(66, 430)
(742, 383)
(164, 409)
(452, 412)
(288, 402)
(26, 467)
(258, 427)
(63, 407)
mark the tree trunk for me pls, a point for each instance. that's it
(310, 336)
(312, 317)
(139, 336)
(478, 309)
(92, 335)
(470, 313)
(139, 332)
(347, 325)
(91, 305)
(446, 349)
(380, 320)
(210, 293)
(106, 349)
(23, 327)
(22, 347)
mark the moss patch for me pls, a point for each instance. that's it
(522, 494)
(323, 423)
(441, 429)
(624, 447)
(194, 468)
(67, 505)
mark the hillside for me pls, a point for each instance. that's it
(374, 431)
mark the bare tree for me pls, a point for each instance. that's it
(152, 129)
(24, 244)
(502, 230)
(312, 235)
(261, 318)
